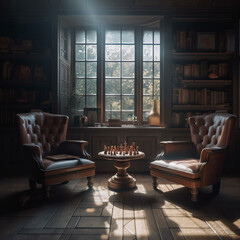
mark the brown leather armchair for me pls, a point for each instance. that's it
(197, 163)
(44, 134)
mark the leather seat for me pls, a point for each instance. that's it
(43, 137)
(197, 163)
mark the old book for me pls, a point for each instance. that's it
(187, 71)
(60, 157)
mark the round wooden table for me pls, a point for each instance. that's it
(121, 180)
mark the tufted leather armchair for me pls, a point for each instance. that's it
(44, 134)
(197, 163)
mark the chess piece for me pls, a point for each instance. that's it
(130, 150)
(108, 150)
(125, 146)
(121, 149)
(105, 149)
(133, 145)
(137, 149)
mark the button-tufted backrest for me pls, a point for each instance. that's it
(44, 129)
(212, 130)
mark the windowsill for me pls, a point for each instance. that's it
(123, 126)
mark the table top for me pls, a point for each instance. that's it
(119, 157)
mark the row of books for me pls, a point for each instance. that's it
(184, 40)
(202, 96)
(8, 45)
(17, 96)
(14, 71)
(202, 70)
(13, 96)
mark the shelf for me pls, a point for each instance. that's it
(206, 83)
(202, 55)
(25, 56)
(23, 83)
(201, 107)
(18, 106)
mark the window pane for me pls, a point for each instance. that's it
(112, 115)
(147, 70)
(91, 69)
(128, 69)
(128, 103)
(128, 36)
(157, 53)
(112, 70)
(147, 103)
(112, 53)
(157, 37)
(91, 36)
(127, 116)
(157, 87)
(80, 36)
(157, 70)
(128, 86)
(91, 86)
(112, 102)
(147, 53)
(80, 52)
(112, 86)
(81, 102)
(147, 87)
(91, 52)
(128, 52)
(91, 101)
(148, 37)
(151, 70)
(80, 86)
(80, 69)
(145, 116)
(113, 36)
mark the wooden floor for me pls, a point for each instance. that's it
(74, 213)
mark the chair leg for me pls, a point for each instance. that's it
(155, 182)
(32, 184)
(90, 182)
(194, 192)
(216, 187)
(46, 191)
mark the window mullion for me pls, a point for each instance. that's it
(138, 77)
(100, 72)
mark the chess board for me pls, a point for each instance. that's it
(121, 156)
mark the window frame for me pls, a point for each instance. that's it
(138, 81)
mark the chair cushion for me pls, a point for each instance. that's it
(186, 167)
(67, 165)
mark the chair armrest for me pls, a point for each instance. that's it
(211, 164)
(32, 153)
(74, 147)
(177, 148)
(207, 154)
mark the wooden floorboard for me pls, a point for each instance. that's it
(73, 212)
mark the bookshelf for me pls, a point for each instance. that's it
(25, 76)
(202, 55)
(25, 67)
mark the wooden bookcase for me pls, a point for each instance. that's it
(202, 55)
(25, 75)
